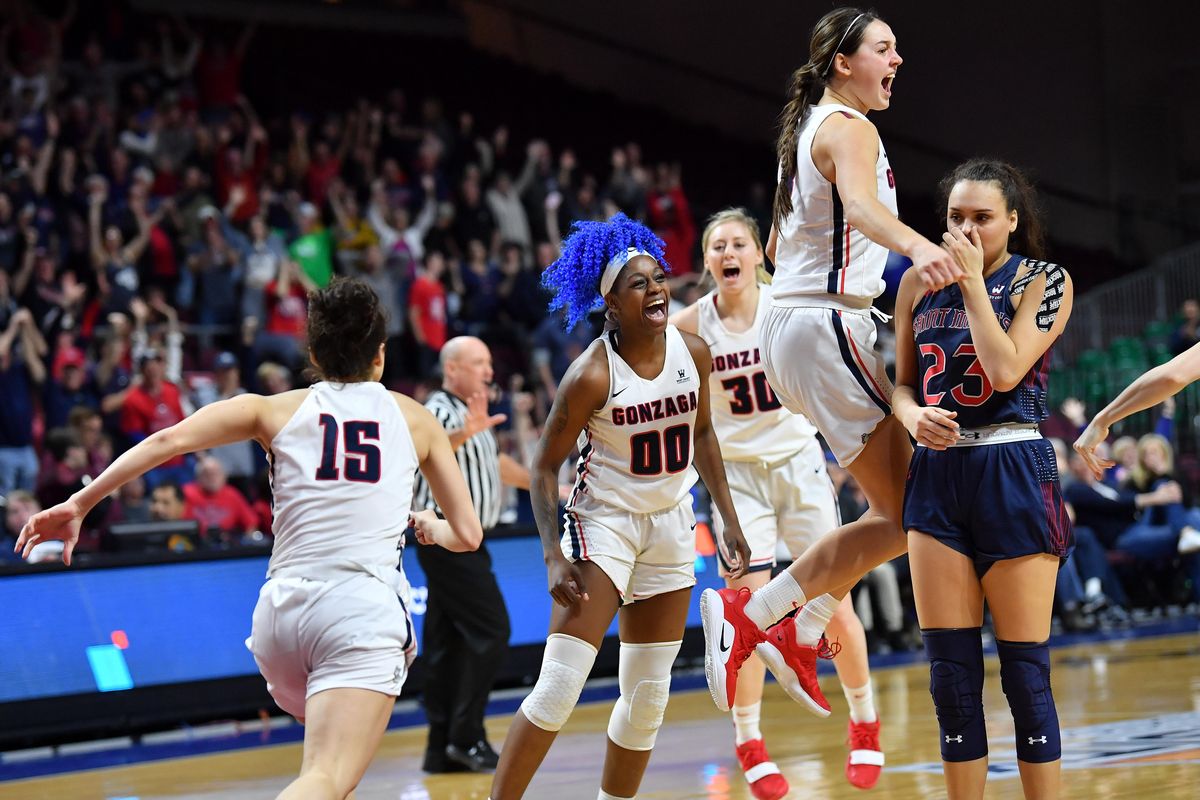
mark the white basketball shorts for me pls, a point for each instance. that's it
(642, 554)
(351, 631)
(821, 362)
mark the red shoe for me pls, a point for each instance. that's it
(865, 761)
(766, 782)
(729, 639)
(795, 665)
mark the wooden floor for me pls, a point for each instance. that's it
(1130, 713)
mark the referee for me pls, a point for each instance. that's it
(466, 623)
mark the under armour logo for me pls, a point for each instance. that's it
(1042, 740)
(957, 739)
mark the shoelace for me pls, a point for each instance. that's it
(862, 738)
(828, 650)
(755, 754)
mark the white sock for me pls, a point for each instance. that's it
(862, 702)
(606, 796)
(812, 619)
(1189, 540)
(745, 723)
(775, 601)
(1091, 587)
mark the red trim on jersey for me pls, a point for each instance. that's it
(583, 554)
(866, 372)
(846, 265)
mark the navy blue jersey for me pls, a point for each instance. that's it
(951, 376)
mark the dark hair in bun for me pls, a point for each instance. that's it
(345, 328)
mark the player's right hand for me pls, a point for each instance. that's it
(936, 267)
(1092, 437)
(566, 582)
(934, 427)
(58, 523)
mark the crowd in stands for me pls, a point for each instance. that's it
(158, 239)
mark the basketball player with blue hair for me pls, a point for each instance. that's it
(637, 404)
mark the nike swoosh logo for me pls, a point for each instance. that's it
(724, 647)
(614, 394)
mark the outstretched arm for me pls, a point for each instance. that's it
(1152, 388)
(223, 422)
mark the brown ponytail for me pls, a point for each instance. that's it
(839, 31)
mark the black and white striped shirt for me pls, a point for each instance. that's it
(478, 458)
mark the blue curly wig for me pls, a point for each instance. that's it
(575, 277)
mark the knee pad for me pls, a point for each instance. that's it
(956, 683)
(645, 679)
(566, 663)
(1025, 678)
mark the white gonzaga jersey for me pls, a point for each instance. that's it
(750, 422)
(342, 472)
(818, 252)
(635, 453)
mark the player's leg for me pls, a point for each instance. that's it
(865, 759)
(651, 632)
(1020, 594)
(342, 730)
(576, 634)
(823, 575)
(835, 562)
(750, 487)
(949, 603)
(763, 775)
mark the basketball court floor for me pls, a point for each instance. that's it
(1129, 707)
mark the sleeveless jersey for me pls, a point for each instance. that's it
(750, 422)
(635, 453)
(342, 472)
(818, 253)
(952, 378)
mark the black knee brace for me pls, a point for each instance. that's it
(956, 683)
(1025, 677)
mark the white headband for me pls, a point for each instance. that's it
(841, 42)
(613, 268)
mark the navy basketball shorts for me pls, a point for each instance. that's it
(989, 502)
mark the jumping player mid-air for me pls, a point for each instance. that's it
(983, 508)
(330, 631)
(835, 221)
(637, 403)
(780, 487)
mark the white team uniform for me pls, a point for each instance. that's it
(818, 343)
(333, 612)
(630, 512)
(773, 462)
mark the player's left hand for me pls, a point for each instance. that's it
(737, 549)
(967, 251)
(59, 523)
(425, 525)
(1092, 437)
